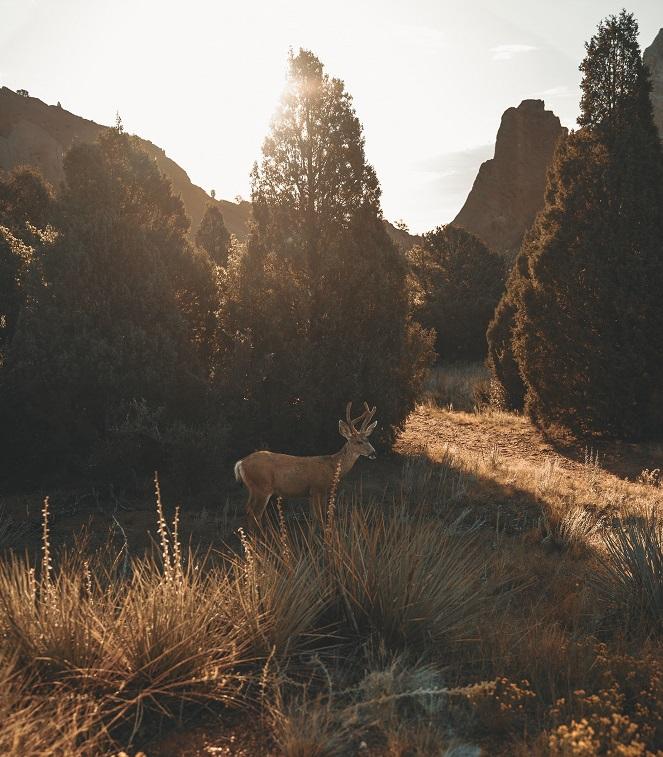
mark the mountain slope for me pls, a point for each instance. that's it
(36, 134)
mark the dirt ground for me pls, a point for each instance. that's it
(515, 439)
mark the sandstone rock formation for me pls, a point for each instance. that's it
(653, 58)
(509, 188)
(33, 133)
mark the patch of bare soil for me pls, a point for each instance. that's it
(242, 736)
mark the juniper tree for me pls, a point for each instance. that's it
(589, 316)
(507, 386)
(107, 337)
(318, 305)
(213, 237)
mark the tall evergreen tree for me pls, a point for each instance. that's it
(213, 237)
(459, 283)
(318, 304)
(589, 315)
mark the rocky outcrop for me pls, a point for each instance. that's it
(653, 58)
(36, 134)
(509, 189)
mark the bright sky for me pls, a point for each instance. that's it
(430, 78)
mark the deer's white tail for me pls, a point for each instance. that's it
(238, 472)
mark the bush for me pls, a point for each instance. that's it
(630, 576)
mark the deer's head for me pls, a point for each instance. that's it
(358, 438)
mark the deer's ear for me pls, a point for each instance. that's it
(370, 429)
(344, 430)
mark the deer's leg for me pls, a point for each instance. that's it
(318, 505)
(263, 501)
(255, 507)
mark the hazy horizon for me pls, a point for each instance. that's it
(430, 81)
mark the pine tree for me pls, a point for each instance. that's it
(213, 237)
(459, 283)
(589, 316)
(318, 304)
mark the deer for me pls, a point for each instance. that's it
(266, 473)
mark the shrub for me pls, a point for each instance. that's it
(629, 580)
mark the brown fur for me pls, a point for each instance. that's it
(270, 473)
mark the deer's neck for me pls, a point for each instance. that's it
(346, 458)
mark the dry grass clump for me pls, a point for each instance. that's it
(277, 595)
(105, 652)
(51, 723)
(629, 579)
(394, 709)
(307, 725)
(409, 581)
(575, 528)
(459, 386)
(393, 576)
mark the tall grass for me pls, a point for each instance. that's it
(412, 582)
(114, 649)
(629, 580)
(459, 386)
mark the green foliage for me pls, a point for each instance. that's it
(458, 284)
(26, 206)
(509, 391)
(316, 308)
(588, 334)
(117, 311)
(213, 237)
(614, 83)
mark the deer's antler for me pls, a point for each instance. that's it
(365, 418)
(368, 417)
(351, 421)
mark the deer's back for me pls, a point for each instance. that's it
(287, 475)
